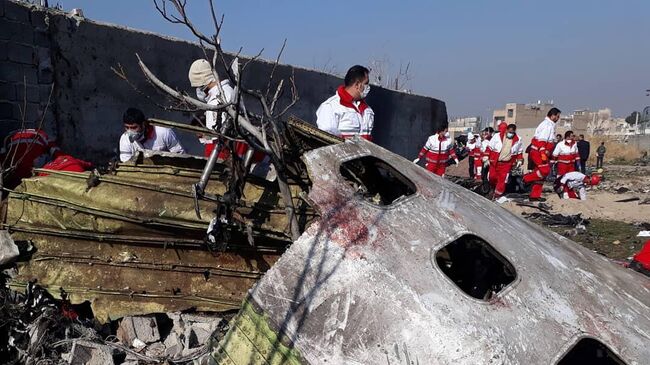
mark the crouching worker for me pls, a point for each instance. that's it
(505, 152)
(572, 185)
(139, 135)
(437, 150)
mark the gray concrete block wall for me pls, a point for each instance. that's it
(24, 65)
(89, 99)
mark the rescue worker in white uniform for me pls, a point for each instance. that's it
(139, 135)
(209, 91)
(572, 185)
(346, 114)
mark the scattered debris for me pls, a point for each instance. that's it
(643, 234)
(617, 242)
(555, 220)
(627, 200)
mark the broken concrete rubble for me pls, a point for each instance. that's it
(85, 353)
(143, 328)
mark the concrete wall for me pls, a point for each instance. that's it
(89, 98)
(25, 67)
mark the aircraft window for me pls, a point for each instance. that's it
(475, 267)
(590, 351)
(376, 181)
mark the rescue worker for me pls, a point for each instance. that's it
(201, 77)
(30, 148)
(437, 150)
(485, 140)
(139, 135)
(572, 185)
(474, 155)
(346, 114)
(540, 149)
(566, 155)
(505, 151)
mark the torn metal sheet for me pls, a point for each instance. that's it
(129, 241)
(362, 284)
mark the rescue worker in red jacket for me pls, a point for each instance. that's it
(437, 150)
(505, 151)
(565, 155)
(24, 149)
(540, 150)
(29, 148)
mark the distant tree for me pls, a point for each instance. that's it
(632, 118)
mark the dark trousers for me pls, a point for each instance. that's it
(582, 165)
(599, 161)
(470, 159)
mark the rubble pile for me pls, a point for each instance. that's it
(38, 329)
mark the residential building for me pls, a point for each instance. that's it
(463, 125)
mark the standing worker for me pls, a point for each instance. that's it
(473, 145)
(565, 155)
(437, 150)
(202, 78)
(346, 114)
(600, 155)
(505, 150)
(583, 152)
(540, 149)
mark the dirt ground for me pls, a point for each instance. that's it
(613, 226)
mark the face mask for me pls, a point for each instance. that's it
(446, 134)
(134, 135)
(365, 92)
(200, 94)
(568, 141)
(510, 135)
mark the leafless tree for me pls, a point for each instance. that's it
(262, 131)
(384, 76)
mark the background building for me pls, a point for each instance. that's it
(463, 125)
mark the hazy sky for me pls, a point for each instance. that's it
(474, 54)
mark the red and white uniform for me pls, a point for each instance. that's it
(476, 152)
(541, 147)
(573, 184)
(341, 116)
(23, 147)
(156, 139)
(565, 155)
(501, 161)
(437, 151)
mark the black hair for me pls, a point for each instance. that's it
(442, 129)
(582, 136)
(133, 116)
(567, 134)
(354, 74)
(512, 126)
(490, 130)
(553, 111)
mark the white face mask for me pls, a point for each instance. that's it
(201, 95)
(365, 92)
(568, 141)
(510, 135)
(446, 134)
(134, 135)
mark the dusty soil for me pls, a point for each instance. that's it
(613, 226)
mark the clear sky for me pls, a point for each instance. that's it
(475, 55)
